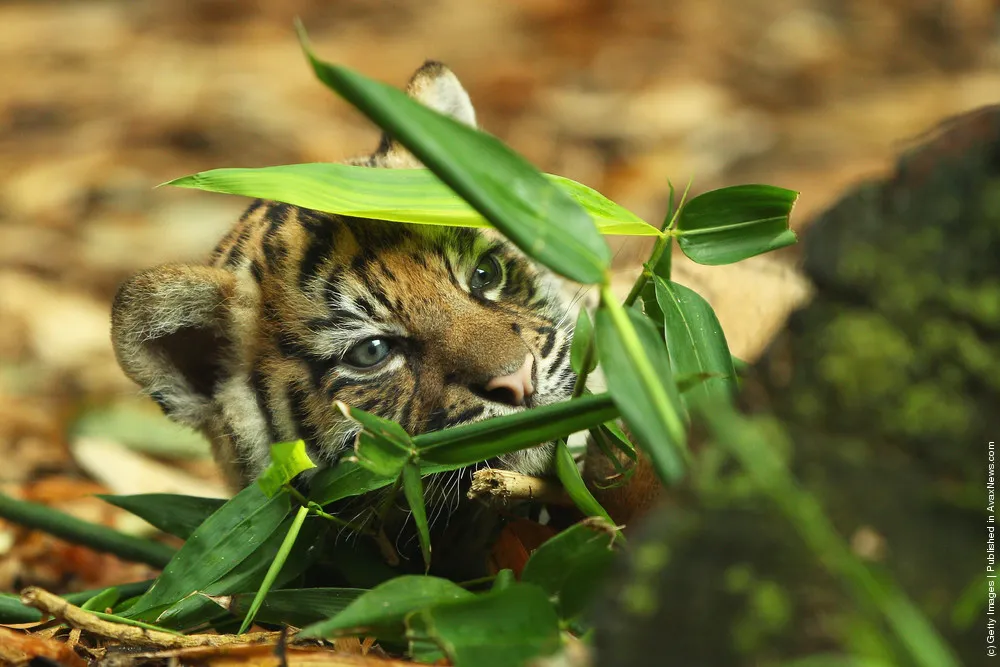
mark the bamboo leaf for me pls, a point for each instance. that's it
(381, 611)
(382, 446)
(297, 607)
(537, 216)
(484, 440)
(569, 476)
(730, 224)
(218, 545)
(173, 514)
(696, 343)
(414, 196)
(635, 363)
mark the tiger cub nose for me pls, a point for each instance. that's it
(513, 389)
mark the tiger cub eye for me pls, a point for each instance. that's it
(486, 274)
(368, 353)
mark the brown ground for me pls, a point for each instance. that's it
(104, 99)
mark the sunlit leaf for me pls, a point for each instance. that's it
(383, 447)
(288, 459)
(414, 196)
(730, 224)
(536, 215)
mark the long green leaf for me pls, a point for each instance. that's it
(498, 629)
(414, 196)
(173, 514)
(413, 489)
(348, 479)
(695, 342)
(569, 476)
(383, 447)
(381, 611)
(729, 224)
(537, 216)
(217, 546)
(483, 440)
(635, 363)
(78, 531)
(582, 357)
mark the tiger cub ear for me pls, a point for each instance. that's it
(175, 330)
(434, 86)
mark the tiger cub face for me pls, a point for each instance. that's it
(429, 326)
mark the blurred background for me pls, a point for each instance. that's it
(104, 99)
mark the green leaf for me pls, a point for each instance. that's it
(348, 478)
(537, 216)
(381, 611)
(297, 607)
(413, 489)
(569, 475)
(382, 446)
(218, 545)
(497, 629)
(485, 439)
(414, 196)
(78, 531)
(572, 565)
(288, 459)
(635, 364)
(173, 514)
(695, 342)
(583, 336)
(730, 224)
(276, 564)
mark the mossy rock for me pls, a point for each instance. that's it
(886, 388)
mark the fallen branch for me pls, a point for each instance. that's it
(501, 487)
(54, 605)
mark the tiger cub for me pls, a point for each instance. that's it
(429, 326)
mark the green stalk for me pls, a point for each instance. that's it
(12, 611)
(78, 531)
(275, 568)
(633, 347)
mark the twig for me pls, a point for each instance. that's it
(501, 487)
(79, 618)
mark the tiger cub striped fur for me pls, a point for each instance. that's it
(429, 326)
